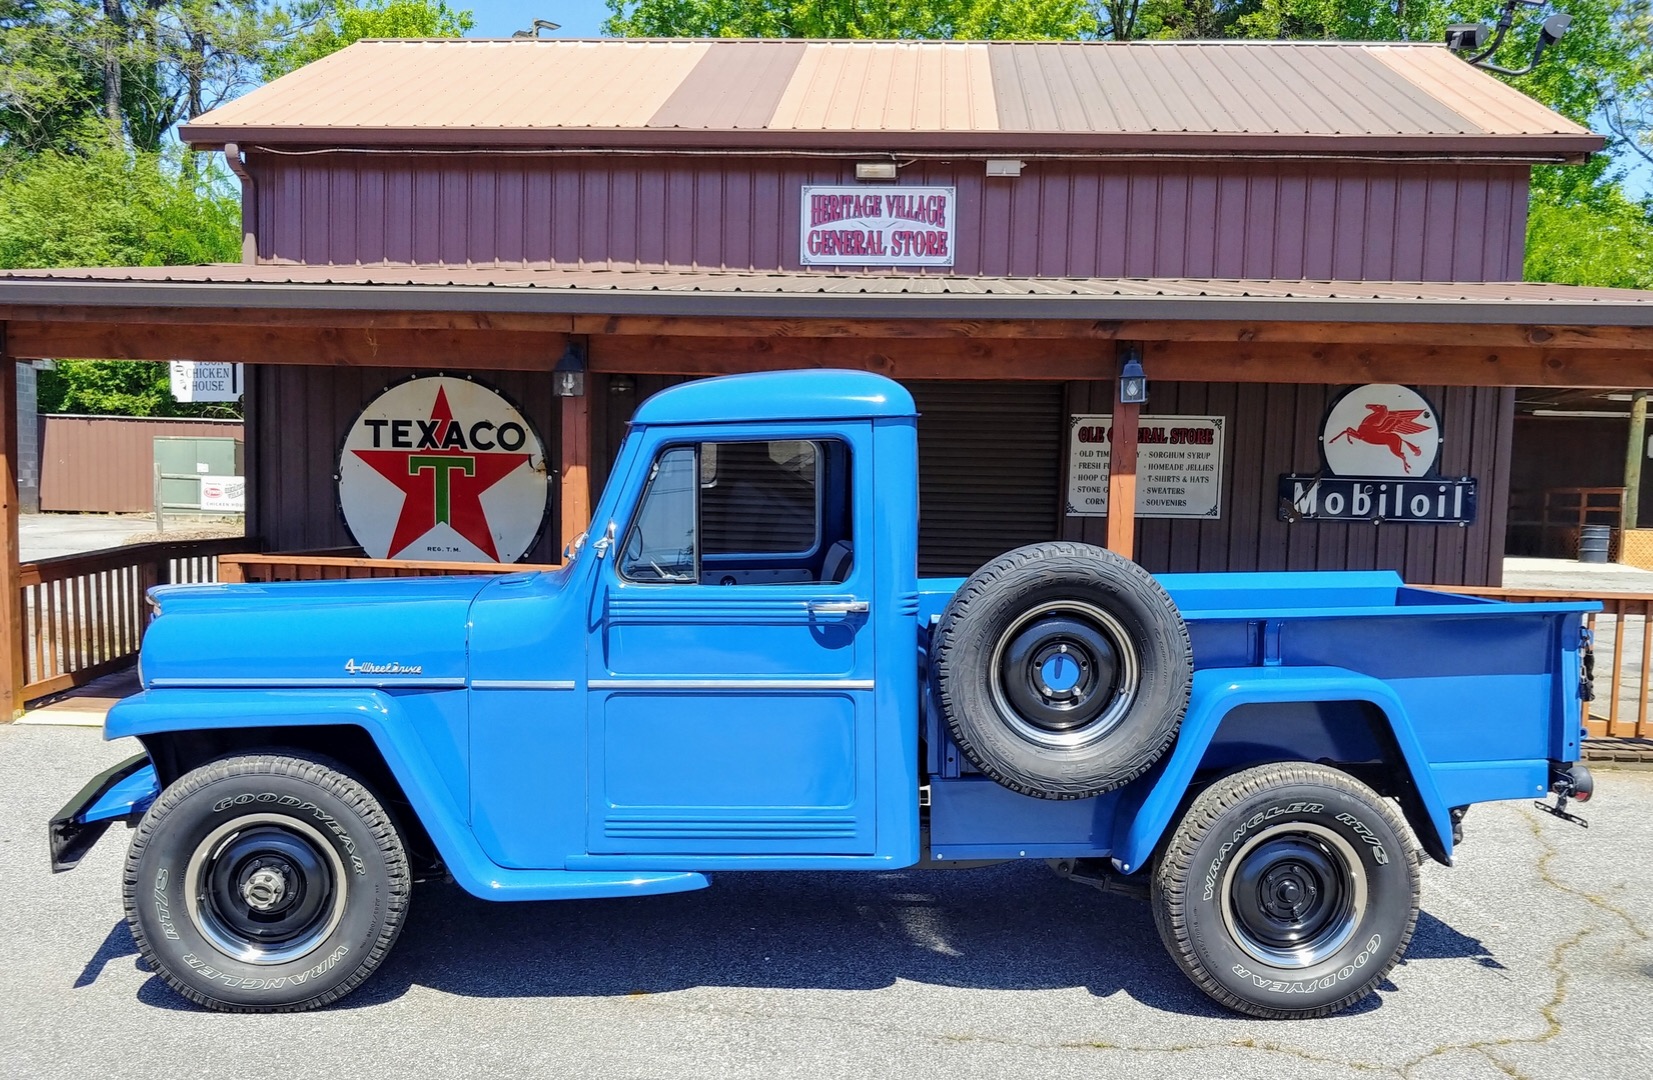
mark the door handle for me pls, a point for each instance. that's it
(839, 607)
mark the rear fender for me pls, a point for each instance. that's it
(1143, 817)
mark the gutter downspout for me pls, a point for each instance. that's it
(249, 202)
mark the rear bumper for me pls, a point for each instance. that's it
(123, 792)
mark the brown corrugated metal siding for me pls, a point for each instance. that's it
(105, 464)
(1388, 221)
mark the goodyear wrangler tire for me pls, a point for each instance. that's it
(1063, 670)
(1287, 891)
(265, 883)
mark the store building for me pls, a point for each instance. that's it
(1313, 251)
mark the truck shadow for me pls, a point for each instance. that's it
(1008, 927)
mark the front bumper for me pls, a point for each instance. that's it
(123, 792)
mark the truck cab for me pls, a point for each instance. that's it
(746, 691)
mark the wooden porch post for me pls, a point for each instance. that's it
(1122, 474)
(11, 592)
(1635, 450)
(574, 472)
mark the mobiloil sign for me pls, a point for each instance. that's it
(1380, 448)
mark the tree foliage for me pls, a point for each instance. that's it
(110, 206)
(1583, 230)
(330, 29)
(978, 19)
(89, 91)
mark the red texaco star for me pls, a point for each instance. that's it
(442, 486)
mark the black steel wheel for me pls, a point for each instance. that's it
(1063, 670)
(1287, 891)
(265, 883)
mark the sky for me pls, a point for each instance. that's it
(500, 18)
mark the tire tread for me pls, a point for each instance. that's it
(325, 774)
(1171, 875)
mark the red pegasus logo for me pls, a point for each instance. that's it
(1384, 427)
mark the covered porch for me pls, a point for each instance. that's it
(577, 334)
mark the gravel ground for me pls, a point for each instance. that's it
(1533, 958)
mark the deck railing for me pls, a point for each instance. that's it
(1624, 655)
(83, 615)
(317, 566)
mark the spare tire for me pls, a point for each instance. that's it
(1063, 670)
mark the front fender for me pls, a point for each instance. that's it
(155, 712)
(1143, 818)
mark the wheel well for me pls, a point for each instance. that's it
(175, 753)
(1352, 736)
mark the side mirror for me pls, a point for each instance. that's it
(600, 548)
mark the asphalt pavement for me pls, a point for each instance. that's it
(1533, 958)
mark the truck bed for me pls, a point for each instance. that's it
(1490, 736)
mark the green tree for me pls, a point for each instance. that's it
(1583, 230)
(325, 29)
(107, 205)
(971, 19)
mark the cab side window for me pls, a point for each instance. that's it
(773, 512)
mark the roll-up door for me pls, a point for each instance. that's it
(989, 463)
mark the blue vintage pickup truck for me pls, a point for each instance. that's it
(743, 671)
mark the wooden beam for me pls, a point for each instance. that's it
(531, 322)
(904, 359)
(1122, 480)
(351, 347)
(1336, 364)
(910, 358)
(1253, 332)
(1477, 335)
(1500, 336)
(11, 590)
(574, 469)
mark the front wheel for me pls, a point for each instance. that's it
(1287, 891)
(265, 883)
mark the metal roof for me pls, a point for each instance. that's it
(1084, 97)
(814, 294)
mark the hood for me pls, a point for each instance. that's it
(371, 632)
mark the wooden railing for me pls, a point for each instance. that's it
(84, 615)
(240, 567)
(1623, 650)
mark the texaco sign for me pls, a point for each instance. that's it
(443, 468)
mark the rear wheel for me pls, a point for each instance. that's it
(265, 883)
(1287, 891)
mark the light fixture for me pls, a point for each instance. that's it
(875, 170)
(1133, 381)
(1004, 167)
(1484, 40)
(534, 31)
(568, 377)
(1467, 37)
